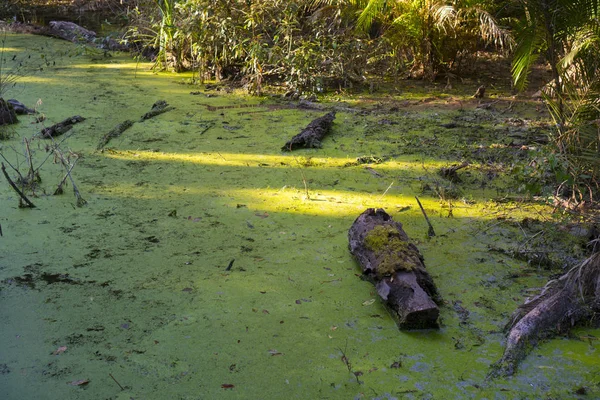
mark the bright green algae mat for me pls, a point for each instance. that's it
(134, 284)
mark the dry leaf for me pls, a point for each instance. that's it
(368, 302)
(80, 382)
(60, 350)
(275, 353)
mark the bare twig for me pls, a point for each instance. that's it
(386, 190)
(80, 200)
(31, 173)
(430, 232)
(22, 196)
(59, 189)
(117, 382)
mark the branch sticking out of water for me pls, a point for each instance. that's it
(23, 198)
(430, 232)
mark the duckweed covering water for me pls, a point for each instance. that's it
(134, 284)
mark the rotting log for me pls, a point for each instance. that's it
(480, 93)
(451, 172)
(20, 108)
(114, 133)
(311, 136)
(159, 107)
(395, 266)
(61, 127)
(562, 303)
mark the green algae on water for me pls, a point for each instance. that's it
(144, 294)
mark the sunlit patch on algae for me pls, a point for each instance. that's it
(135, 284)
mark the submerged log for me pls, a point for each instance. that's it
(159, 107)
(311, 136)
(114, 133)
(563, 302)
(61, 127)
(394, 265)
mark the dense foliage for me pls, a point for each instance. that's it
(308, 46)
(567, 34)
(312, 45)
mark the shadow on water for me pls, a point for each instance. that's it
(101, 17)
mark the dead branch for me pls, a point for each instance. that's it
(430, 232)
(22, 196)
(80, 200)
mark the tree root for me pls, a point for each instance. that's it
(563, 302)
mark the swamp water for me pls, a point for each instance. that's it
(130, 292)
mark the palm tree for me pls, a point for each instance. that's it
(567, 33)
(434, 30)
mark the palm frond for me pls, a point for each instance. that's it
(493, 33)
(526, 54)
(445, 15)
(368, 14)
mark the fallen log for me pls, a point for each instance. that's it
(114, 133)
(311, 136)
(61, 127)
(20, 108)
(72, 32)
(451, 173)
(562, 303)
(395, 266)
(66, 31)
(159, 107)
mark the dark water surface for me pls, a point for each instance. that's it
(103, 22)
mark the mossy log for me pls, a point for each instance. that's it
(395, 266)
(311, 136)
(61, 127)
(562, 303)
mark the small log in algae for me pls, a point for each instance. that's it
(394, 265)
(563, 302)
(311, 136)
(61, 127)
